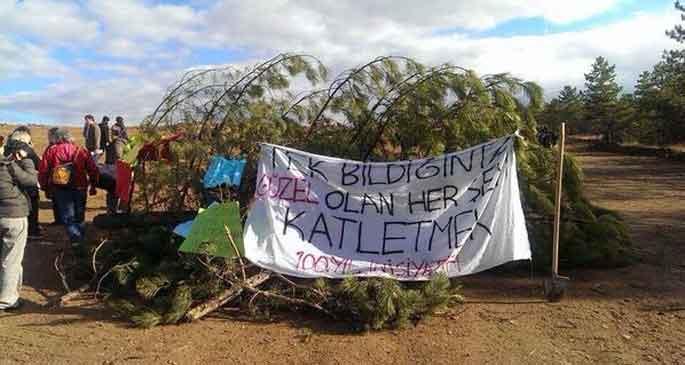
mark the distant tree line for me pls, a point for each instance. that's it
(653, 114)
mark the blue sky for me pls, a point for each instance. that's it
(62, 59)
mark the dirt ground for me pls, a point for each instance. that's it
(631, 315)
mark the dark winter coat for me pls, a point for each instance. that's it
(33, 156)
(92, 135)
(115, 151)
(104, 135)
(124, 133)
(15, 177)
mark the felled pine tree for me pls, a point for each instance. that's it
(390, 108)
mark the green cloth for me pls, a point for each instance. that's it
(131, 150)
(208, 235)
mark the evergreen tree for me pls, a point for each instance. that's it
(660, 94)
(601, 99)
(566, 107)
(571, 109)
(650, 124)
(627, 115)
(674, 90)
(678, 32)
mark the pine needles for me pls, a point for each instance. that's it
(378, 303)
(150, 291)
(148, 282)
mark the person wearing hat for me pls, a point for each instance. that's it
(66, 171)
(23, 134)
(17, 174)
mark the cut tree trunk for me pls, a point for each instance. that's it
(225, 297)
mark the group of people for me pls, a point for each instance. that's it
(102, 139)
(67, 173)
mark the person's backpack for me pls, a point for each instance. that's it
(63, 174)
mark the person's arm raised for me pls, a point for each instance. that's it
(24, 173)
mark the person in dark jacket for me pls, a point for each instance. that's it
(70, 198)
(22, 135)
(104, 133)
(119, 121)
(91, 132)
(115, 152)
(17, 173)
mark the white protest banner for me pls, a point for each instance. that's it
(321, 216)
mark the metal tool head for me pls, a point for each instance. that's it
(555, 287)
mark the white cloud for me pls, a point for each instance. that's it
(284, 24)
(67, 102)
(118, 69)
(26, 59)
(49, 20)
(144, 51)
(354, 35)
(133, 20)
(341, 33)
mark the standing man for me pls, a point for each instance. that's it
(120, 122)
(16, 174)
(115, 151)
(67, 171)
(23, 135)
(104, 133)
(91, 132)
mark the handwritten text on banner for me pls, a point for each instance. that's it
(320, 216)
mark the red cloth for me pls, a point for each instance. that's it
(124, 176)
(85, 170)
(158, 150)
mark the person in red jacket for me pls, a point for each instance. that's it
(70, 198)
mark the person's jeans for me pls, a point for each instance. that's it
(112, 203)
(13, 233)
(55, 213)
(71, 204)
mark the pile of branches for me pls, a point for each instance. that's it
(142, 277)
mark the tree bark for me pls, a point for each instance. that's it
(225, 297)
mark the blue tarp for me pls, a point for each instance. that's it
(183, 229)
(222, 170)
